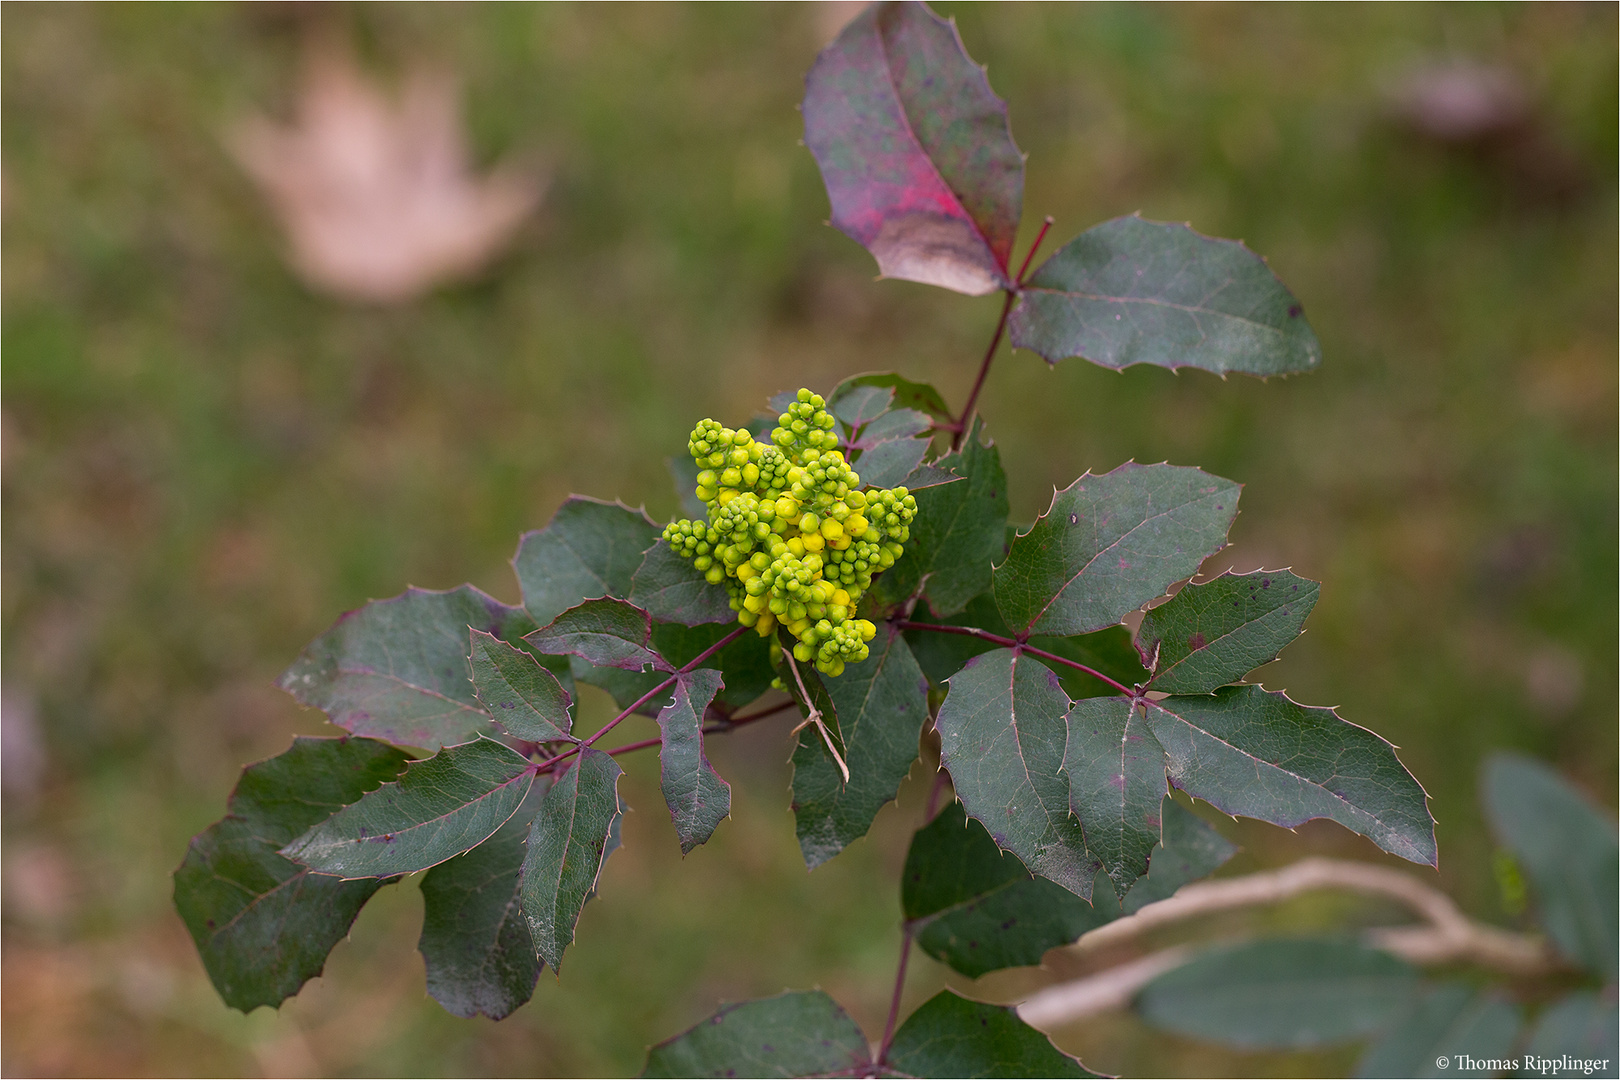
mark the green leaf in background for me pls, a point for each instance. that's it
(887, 463)
(959, 532)
(975, 908)
(605, 632)
(745, 663)
(915, 150)
(397, 669)
(1111, 543)
(952, 1036)
(573, 832)
(903, 393)
(475, 943)
(588, 550)
(683, 474)
(1569, 851)
(802, 1033)
(858, 405)
(1281, 995)
(1580, 1025)
(671, 589)
(1215, 633)
(1003, 728)
(520, 695)
(440, 807)
(264, 925)
(1116, 784)
(882, 705)
(1246, 751)
(1131, 291)
(697, 797)
(1448, 1021)
(1189, 849)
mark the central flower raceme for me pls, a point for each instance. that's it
(790, 533)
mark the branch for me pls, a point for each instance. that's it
(965, 422)
(1105, 992)
(1012, 643)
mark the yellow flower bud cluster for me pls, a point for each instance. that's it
(790, 533)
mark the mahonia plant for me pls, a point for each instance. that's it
(859, 557)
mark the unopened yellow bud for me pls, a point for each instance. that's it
(814, 542)
(831, 529)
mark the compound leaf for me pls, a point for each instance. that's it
(589, 549)
(670, 589)
(882, 704)
(1116, 784)
(397, 669)
(1216, 632)
(447, 804)
(520, 695)
(475, 944)
(604, 632)
(1446, 1023)
(1111, 543)
(1003, 729)
(959, 532)
(1259, 754)
(698, 798)
(1281, 994)
(803, 1033)
(264, 925)
(1569, 851)
(574, 831)
(1131, 291)
(914, 148)
(952, 1036)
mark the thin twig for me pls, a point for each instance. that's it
(667, 683)
(1012, 643)
(1104, 992)
(894, 1000)
(815, 716)
(965, 421)
(719, 728)
(1033, 248)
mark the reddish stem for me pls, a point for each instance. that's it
(1012, 643)
(712, 729)
(965, 423)
(894, 1002)
(941, 778)
(1033, 248)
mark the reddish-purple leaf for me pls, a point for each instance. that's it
(914, 147)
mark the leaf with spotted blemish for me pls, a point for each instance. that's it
(523, 697)
(803, 1033)
(1111, 543)
(1216, 632)
(915, 150)
(1131, 291)
(1116, 784)
(589, 549)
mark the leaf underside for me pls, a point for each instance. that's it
(804, 1033)
(1216, 632)
(952, 1036)
(574, 831)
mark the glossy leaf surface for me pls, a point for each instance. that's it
(440, 807)
(397, 669)
(573, 832)
(1281, 994)
(1215, 633)
(1447, 1023)
(914, 148)
(802, 1033)
(589, 549)
(697, 797)
(605, 632)
(1131, 291)
(520, 695)
(951, 1036)
(671, 589)
(1111, 543)
(1116, 784)
(1261, 755)
(264, 925)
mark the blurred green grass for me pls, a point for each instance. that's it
(205, 463)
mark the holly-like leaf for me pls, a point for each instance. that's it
(903, 393)
(928, 475)
(914, 148)
(952, 1036)
(1281, 994)
(1579, 1025)
(1448, 1023)
(683, 473)
(1116, 784)
(1215, 633)
(264, 925)
(888, 463)
(605, 632)
(440, 807)
(1003, 729)
(397, 669)
(670, 589)
(803, 1033)
(1188, 851)
(572, 834)
(589, 549)
(523, 697)
(1569, 851)
(959, 532)
(698, 798)
(475, 944)
(974, 907)
(882, 704)
(1111, 543)
(859, 405)
(745, 664)
(1131, 291)
(1259, 754)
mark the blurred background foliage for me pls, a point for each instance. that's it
(205, 462)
